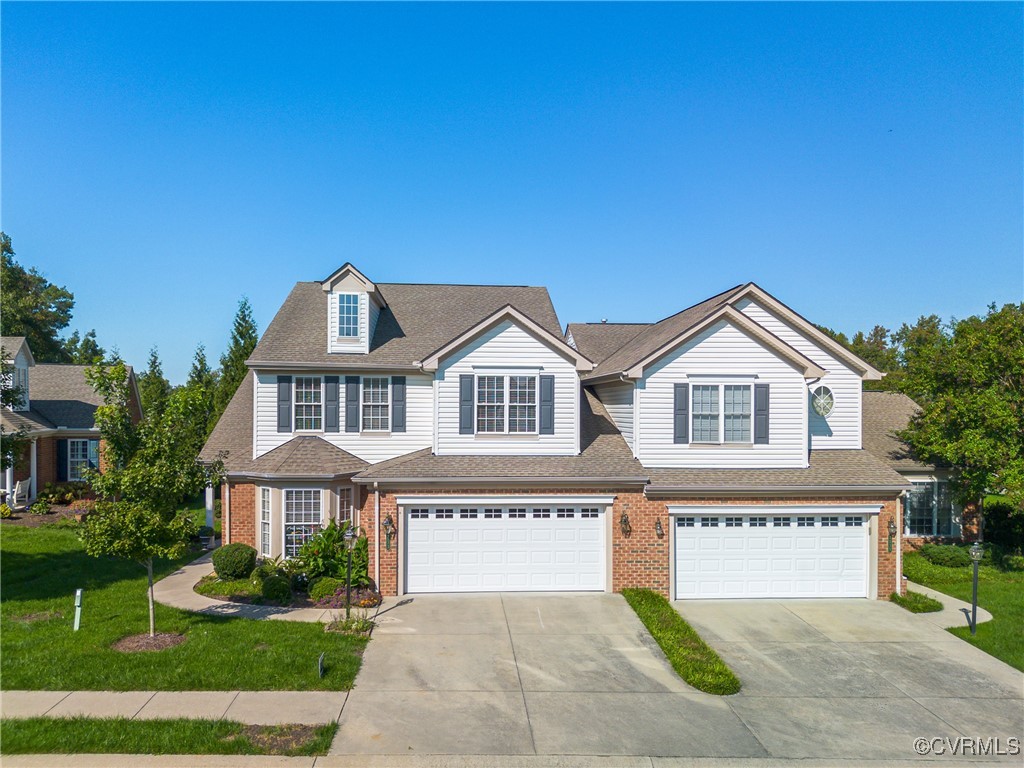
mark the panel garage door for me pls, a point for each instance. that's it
(486, 549)
(791, 553)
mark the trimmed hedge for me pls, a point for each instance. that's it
(234, 561)
(946, 555)
(693, 659)
(325, 587)
(277, 589)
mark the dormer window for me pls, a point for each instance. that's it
(348, 315)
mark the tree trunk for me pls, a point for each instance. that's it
(152, 620)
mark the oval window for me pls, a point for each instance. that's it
(822, 401)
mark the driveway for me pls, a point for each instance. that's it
(524, 674)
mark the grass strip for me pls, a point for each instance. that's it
(85, 735)
(693, 659)
(915, 602)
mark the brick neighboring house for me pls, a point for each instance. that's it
(930, 514)
(714, 454)
(57, 416)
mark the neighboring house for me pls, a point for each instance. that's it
(57, 416)
(930, 514)
(717, 453)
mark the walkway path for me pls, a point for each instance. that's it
(950, 615)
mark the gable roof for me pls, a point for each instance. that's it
(417, 320)
(885, 413)
(59, 396)
(598, 340)
(604, 456)
(231, 439)
(12, 345)
(306, 456)
(508, 313)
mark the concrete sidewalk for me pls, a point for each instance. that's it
(950, 615)
(248, 707)
(177, 591)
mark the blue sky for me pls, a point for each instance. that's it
(863, 163)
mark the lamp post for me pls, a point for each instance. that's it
(350, 542)
(977, 552)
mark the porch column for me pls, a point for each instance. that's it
(9, 481)
(209, 506)
(32, 467)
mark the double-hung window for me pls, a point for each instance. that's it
(345, 508)
(722, 413)
(376, 404)
(82, 455)
(348, 316)
(506, 404)
(929, 510)
(308, 403)
(303, 516)
(265, 522)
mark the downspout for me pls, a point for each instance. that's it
(900, 508)
(376, 535)
(225, 514)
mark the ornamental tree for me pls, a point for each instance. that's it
(135, 531)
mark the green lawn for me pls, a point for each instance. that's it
(692, 659)
(46, 735)
(999, 592)
(915, 602)
(40, 569)
(197, 511)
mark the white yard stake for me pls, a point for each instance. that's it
(78, 608)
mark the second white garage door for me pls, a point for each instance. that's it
(487, 549)
(774, 552)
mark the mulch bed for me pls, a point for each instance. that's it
(278, 739)
(158, 642)
(26, 519)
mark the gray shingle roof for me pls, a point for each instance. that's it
(232, 437)
(841, 469)
(61, 395)
(884, 414)
(307, 455)
(418, 320)
(12, 345)
(29, 421)
(604, 454)
(598, 340)
(654, 337)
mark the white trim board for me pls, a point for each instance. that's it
(503, 501)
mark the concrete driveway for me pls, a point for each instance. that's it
(523, 674)
(856, 678)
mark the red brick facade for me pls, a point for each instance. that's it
(239, 514)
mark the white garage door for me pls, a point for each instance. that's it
(486, 549)
(771, 553)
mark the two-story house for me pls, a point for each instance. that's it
(716, 453)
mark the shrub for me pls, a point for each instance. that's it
(63, 493)
(276, 589)
(204, 532)
(325, 555)
(1013, 563)
(325, 587)
(916, 602)
(946, 555)
(83, 505)
(5, 512)
(234, 561)
(299, 581)
(40, 508)
(1004, 523)
(266, 569)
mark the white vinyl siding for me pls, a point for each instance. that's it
(842, 429)
(507, 350)
(711, 357)
(369, 446)
(618, 401)
(357, 344)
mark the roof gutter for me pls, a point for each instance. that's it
(284, 365)
(775, 490)
(286, 476)
(503, 481)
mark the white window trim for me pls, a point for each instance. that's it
(359, 311)
(721, 383)
(362, 391)
(72, 441)
(284, 516)
(531, 374)
(296, 404)
(266, 525)
(955, 524)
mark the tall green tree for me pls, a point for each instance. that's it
(33, 307)
(204, 380)
(232, 364)
(971, 385)
(12, 441)
(154, 389)
(83, 350)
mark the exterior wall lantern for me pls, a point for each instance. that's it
(389, 529)
(658, 529)
(892, 531)
(977, 552)
(624, 525)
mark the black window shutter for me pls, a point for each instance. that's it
(681, 414)
(351, 403)
(466, 404)
(398, 403)
(547, 405)
(284, 403)
(62, 461)
(332, 404)
(761, 414)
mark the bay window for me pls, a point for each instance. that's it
(303, 518)
(506, 404)
(265, 522)
(308, 403)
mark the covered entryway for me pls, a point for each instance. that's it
(491, 547)
(771, 551)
